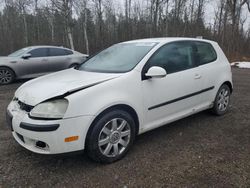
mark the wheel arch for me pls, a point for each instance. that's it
(124, 107)
(229, 84)
(4, 66)
(73, 63)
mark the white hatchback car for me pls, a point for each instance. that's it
(125, 90)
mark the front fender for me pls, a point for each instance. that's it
(94, 100)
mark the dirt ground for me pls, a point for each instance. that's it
(199, 151)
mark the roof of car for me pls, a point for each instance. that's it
(50, 46)
(47, 46)
(168, 39)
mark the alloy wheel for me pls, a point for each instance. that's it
(223, 99)
(114, 137)
(5, 76)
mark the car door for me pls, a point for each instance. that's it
(37, 63)
(59, 59)
(210, 69)
(178, 92)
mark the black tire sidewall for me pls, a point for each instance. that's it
(12, 75)
(215, 108)
(92, 137)
(73, 65)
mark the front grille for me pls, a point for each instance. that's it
(24, 107)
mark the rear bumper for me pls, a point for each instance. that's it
(30, 133)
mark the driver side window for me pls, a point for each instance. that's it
(39, 52)
(173, 57)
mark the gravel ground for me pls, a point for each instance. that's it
(199, 151)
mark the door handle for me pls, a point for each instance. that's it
(197, 76)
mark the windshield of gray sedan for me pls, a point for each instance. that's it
(118, 58)
(19, 53)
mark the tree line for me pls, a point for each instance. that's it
(91, 25)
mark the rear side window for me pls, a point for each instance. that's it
(68, 52)
(205, 53)
(39, 52)
(58, 52)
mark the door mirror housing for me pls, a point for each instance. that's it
(26, 56)
(156, 72)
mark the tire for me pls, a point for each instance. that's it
(73, 65)
(222, 100)
(7, 76)
(111, 136)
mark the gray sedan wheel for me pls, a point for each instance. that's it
(6, 76)
(74, 65)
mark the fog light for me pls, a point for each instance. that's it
(41, 144)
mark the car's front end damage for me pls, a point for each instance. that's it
(41, 122)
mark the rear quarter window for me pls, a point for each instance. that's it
(205, 53)
(68, 52)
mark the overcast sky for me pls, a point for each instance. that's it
(211, 9)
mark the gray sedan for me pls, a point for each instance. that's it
(36, 61)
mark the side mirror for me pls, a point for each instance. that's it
(156, 72)
(26, 56)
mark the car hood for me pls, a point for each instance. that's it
(6, 59)
(58, 84)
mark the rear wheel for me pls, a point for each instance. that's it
(111, 137)
(222, 100)
(73, 65)
(6, 76)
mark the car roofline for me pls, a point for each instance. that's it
(168, 39)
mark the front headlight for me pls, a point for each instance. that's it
(54, 109)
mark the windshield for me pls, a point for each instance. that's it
(118, 58)
(19, 53)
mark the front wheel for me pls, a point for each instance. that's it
(111, 137)
(222, 100)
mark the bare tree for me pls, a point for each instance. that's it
(91, 25)
(192, 5)
(99, 22)
(81, 8)
(37, 20)
(22, 6)
(49, 12)
(248, 4)
(128, 16)
(65, 7)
